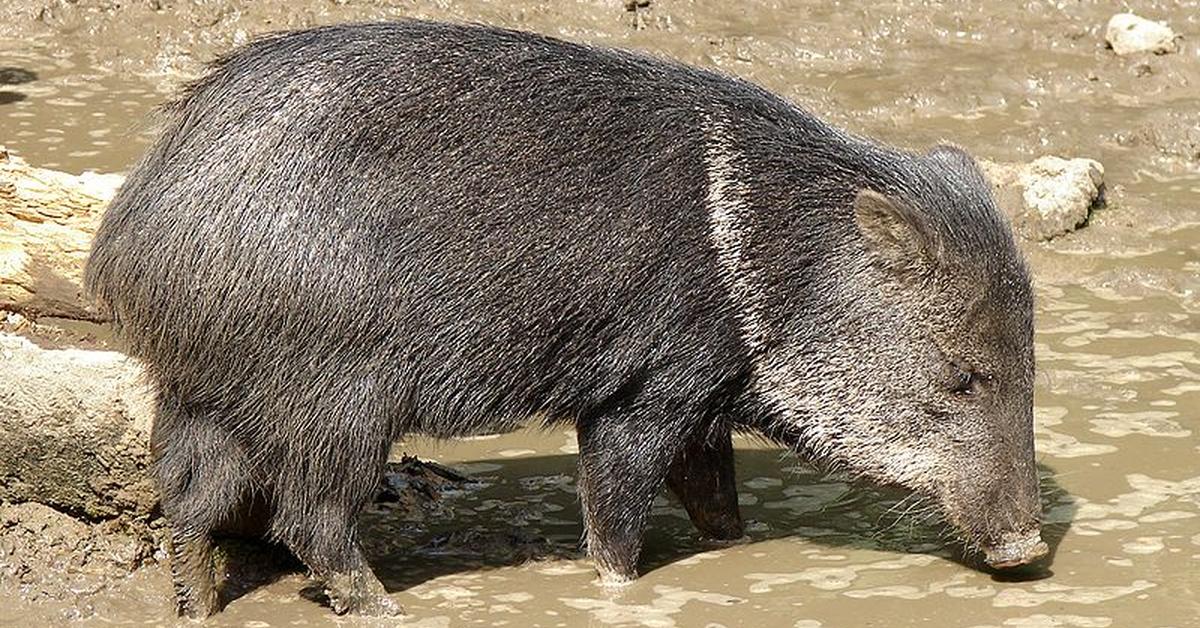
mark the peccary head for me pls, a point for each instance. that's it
(918, 368)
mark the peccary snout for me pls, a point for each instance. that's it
(998, 512)
(1003, 524)
(1016, 550)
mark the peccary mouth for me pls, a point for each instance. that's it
(1016, 552)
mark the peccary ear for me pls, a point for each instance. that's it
(894, 232)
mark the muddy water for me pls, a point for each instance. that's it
(1118, 333)
(62, 112)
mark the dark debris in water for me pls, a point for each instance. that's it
(411, 482)
(514, 546)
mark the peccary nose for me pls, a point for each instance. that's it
(1016, 551)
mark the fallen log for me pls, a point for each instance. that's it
(74, 435)
(74, 430)
(47, 219)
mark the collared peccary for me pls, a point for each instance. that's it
(351, 233)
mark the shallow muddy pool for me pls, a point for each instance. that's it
(1118, 340)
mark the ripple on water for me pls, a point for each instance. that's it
(832, 578)
(1052, 621)
(658, 613)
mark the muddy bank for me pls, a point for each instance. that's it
(69, 565)
(868, 69)
(49, 557)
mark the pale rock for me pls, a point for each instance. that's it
(1130, 34)
(1048, 197)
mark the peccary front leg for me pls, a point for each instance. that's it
(702, 477)
(329, 548)
(623, 462)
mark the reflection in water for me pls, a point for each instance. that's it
(14, 76)
(60, 113)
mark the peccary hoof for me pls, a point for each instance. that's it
(360, 593)
(378, 605)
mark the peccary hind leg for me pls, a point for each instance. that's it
(192, 574)
(702, 477)
(201, 476)
(354, 589)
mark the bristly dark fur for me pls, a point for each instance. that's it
(352, 233)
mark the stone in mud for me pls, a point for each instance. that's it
(74, 430)
(1173, 134)
(1048, 197)
(1129, 34)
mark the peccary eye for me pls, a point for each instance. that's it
(963, 383)
(964, 380)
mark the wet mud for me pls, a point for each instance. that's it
(1118, 340)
